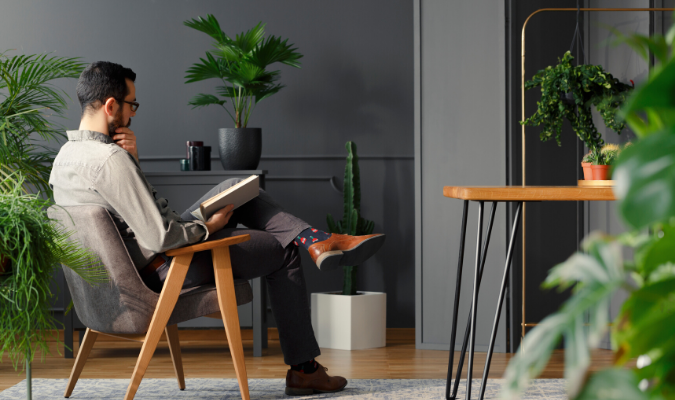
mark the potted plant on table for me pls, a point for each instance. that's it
(602, 161)
(586, 163)
(568, 92)
(352, 319)
(30, 246)
(240, 64)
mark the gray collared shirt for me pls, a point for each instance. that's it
(91, 169)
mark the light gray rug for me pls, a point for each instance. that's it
(220, 389)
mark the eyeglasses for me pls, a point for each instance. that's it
(133, 104)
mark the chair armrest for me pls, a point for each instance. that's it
(208, 245)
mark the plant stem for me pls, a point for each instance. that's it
(349, 284)
(29, 378)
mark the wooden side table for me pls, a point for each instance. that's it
(496, 194)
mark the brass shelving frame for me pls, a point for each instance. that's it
(523, 324)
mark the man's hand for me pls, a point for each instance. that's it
(126, 139)
(219, 219)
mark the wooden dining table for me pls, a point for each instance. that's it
(495, 195)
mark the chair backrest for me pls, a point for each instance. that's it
(122, 305)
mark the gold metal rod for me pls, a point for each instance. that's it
(522, 106)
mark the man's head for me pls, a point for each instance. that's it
(105, 90)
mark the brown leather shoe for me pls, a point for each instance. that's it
(340, 250)
(298, 383)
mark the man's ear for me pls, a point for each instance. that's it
(109, 107)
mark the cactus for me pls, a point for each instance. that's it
(352, 223)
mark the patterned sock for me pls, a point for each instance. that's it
(310, 236)
(308, 367)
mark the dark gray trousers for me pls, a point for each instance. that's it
(268, 254)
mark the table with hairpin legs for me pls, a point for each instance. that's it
(497, 194)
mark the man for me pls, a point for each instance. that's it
(99, 165)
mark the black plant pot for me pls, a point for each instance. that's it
(240, 148)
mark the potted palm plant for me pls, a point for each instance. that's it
(352, 319)
(30, 246)
(568, 92)
(240, 64)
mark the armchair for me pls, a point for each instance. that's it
(124, 305)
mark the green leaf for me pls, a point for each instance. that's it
(207, 69)
(658, 95)
(248, 41)
(599, 275)
(261, 94)
(210, 26)
(202, 100)
(274, 50)
(612, 384)
(645, 180)
(658, 252)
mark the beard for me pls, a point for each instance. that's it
(117, 122)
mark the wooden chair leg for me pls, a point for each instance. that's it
(228, 308)
(174, 348)
(165, 304)
(82, 354)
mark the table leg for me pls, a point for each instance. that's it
(67, 320)
(509, 255)
(474, 302)
(486, 244)
(458, 286)
(259, 316)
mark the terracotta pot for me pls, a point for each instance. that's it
(588, 174)
(600, 172)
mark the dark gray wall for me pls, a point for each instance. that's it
(460, 140)
(356, 84)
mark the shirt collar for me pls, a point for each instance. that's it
(89, 135)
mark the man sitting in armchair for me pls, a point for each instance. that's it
(99, 166)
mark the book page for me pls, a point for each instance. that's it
(238, 195)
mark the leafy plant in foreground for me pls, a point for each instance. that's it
(34, 247)
(240, 63)
(28, 104)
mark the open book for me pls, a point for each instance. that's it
(238, 195)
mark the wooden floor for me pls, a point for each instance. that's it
(205, 355)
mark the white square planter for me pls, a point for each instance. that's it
(350, 322)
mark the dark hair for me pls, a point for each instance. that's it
(101, 80)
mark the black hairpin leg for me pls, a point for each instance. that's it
(509, 255)
(474, 302)
(458, 285)
(486, 243)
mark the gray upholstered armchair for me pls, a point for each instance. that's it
(124, 305)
